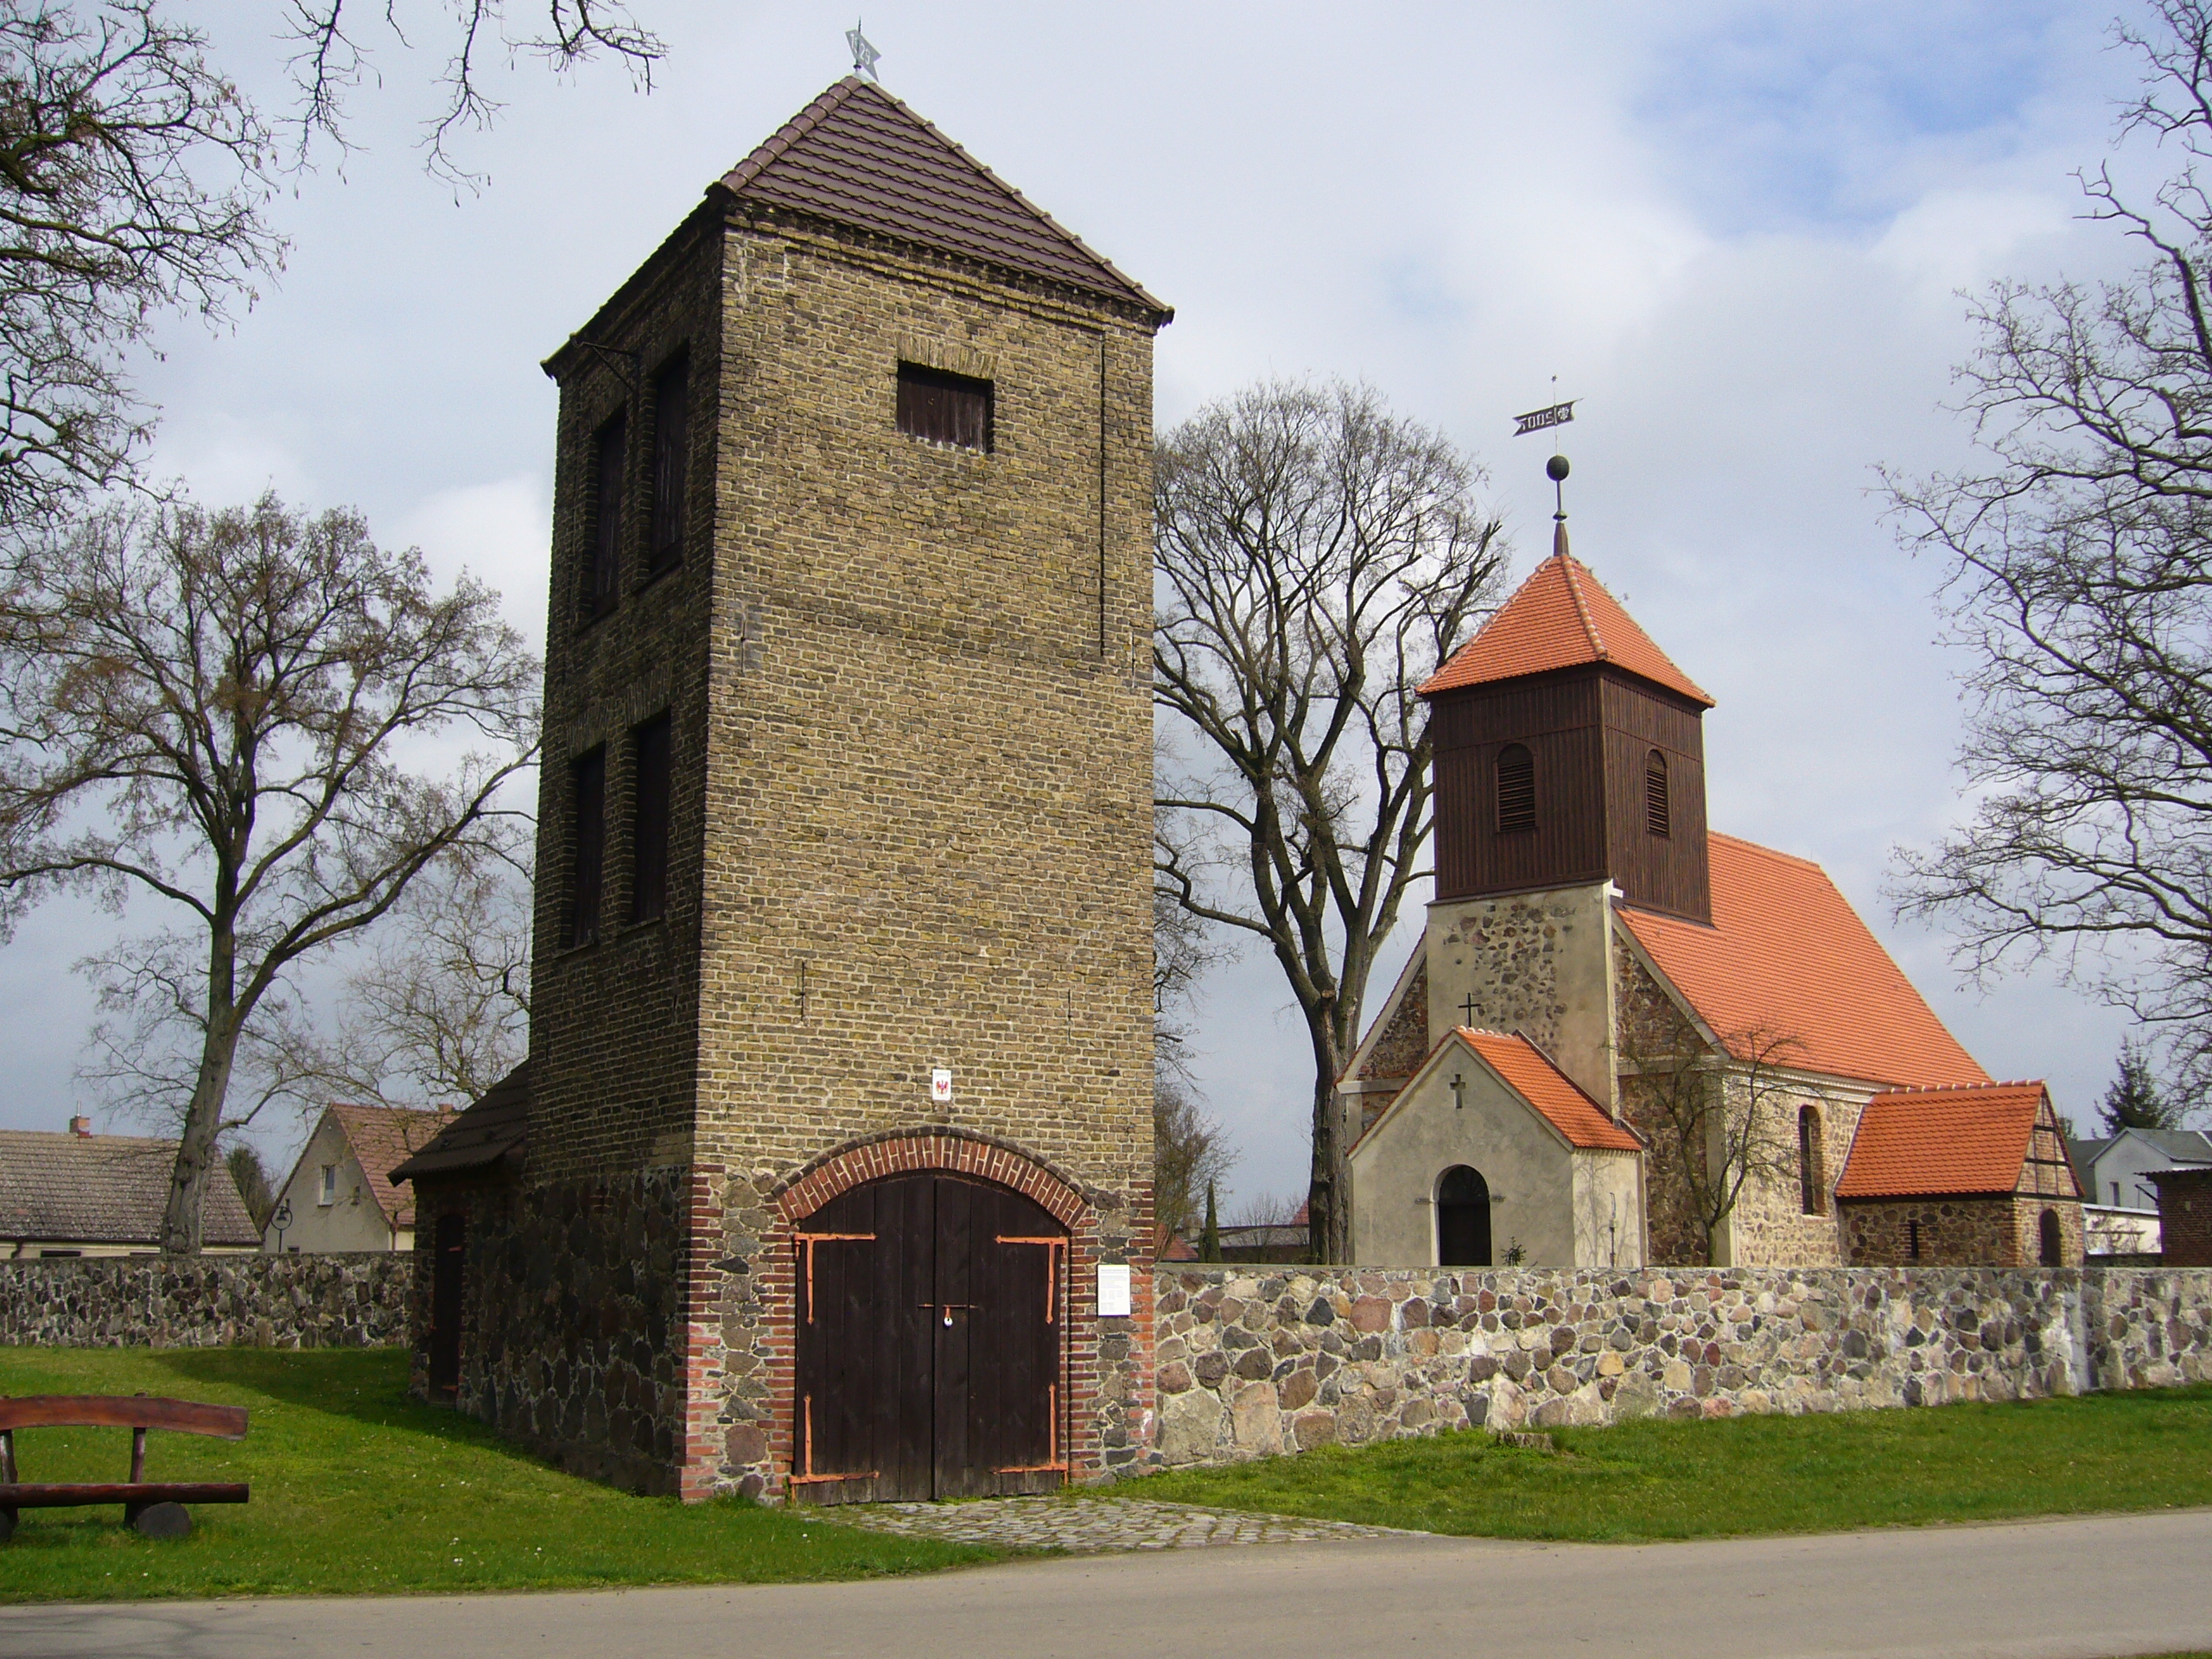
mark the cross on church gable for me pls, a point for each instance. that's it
(1467, 1007)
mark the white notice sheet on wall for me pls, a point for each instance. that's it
(1113, 1290)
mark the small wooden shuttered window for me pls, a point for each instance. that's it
(1517, 789)
(1812, 1182)
(944, 408)
(588, 792)
(1657, 818)
(603, 568)
(649, 829)
(671, 446)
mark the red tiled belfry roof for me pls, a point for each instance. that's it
(1529, 1071)
(1919, 1142)
(1561, 616)
(1788, 958)
(858, 156)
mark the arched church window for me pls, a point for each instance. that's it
(1812, 1186)
(2054, 1241)
(1462, 1219)
(1657, 818)
(1517, 789)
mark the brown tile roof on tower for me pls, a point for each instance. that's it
(104, 1189)
(858, 156)
(1529, 1071)
(1787, 957)
(1920, 1141)
(1561, 616)
(383, 1138)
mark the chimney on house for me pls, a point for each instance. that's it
(81, 1126)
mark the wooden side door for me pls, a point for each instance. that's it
(449, 1259)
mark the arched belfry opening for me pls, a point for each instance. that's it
(1462, 1218)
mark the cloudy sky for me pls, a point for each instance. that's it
(1738, 233)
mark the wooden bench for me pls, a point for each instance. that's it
(155, 1507)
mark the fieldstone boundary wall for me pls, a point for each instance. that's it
(1254, 1361)
(351, 1301)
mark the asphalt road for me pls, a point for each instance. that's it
(2076, 1589)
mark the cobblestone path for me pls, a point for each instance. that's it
(1085, 1525)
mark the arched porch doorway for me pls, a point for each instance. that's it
(1462, 1219)
(931, 1324)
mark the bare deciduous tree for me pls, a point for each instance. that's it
(132, 180)
(1718, 1119)
(2080, 581)
(332, 58)
(260, 719)
(1316, 557)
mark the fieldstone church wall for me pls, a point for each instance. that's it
(209, 1302)
(1254, 1363)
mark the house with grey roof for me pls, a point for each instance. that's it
(86, 1194)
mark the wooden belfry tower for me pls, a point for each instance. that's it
(1570, 771)
(836, 1157)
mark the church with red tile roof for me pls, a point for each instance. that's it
(1627, 1039)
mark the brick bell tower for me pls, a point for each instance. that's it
(1570, 773)
(837, 1179)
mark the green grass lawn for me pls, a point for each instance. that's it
(357, 1488)
(1660, 1479)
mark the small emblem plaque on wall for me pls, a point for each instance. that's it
(941, 1087)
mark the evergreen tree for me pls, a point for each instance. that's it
(2135, 1101)
(1209, 1240)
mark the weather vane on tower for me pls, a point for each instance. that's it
(1539, 420)
(864, 55)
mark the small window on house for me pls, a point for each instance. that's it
(649, 825)
(1812, 1188)
(1517, 789)
(2115, 1194)
(587, 804)
(1912, 1239)
(1656, 818)
(2053, 1240)
(328, 1191)
(944, 408)
(610, 449)
(671, 448)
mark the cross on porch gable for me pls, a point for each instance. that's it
(1467, 1007)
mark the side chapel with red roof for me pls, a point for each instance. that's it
(1627, 1041)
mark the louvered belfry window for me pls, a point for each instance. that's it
(671, 444)
(603, 568)
(1658, 817)
(944, 408)
(1517, 789)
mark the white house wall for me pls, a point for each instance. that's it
(352, 1222)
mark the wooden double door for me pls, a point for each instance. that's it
(930, 1314)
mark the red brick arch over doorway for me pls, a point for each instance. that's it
(946, 1150)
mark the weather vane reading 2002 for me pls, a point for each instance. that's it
(864, 55)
